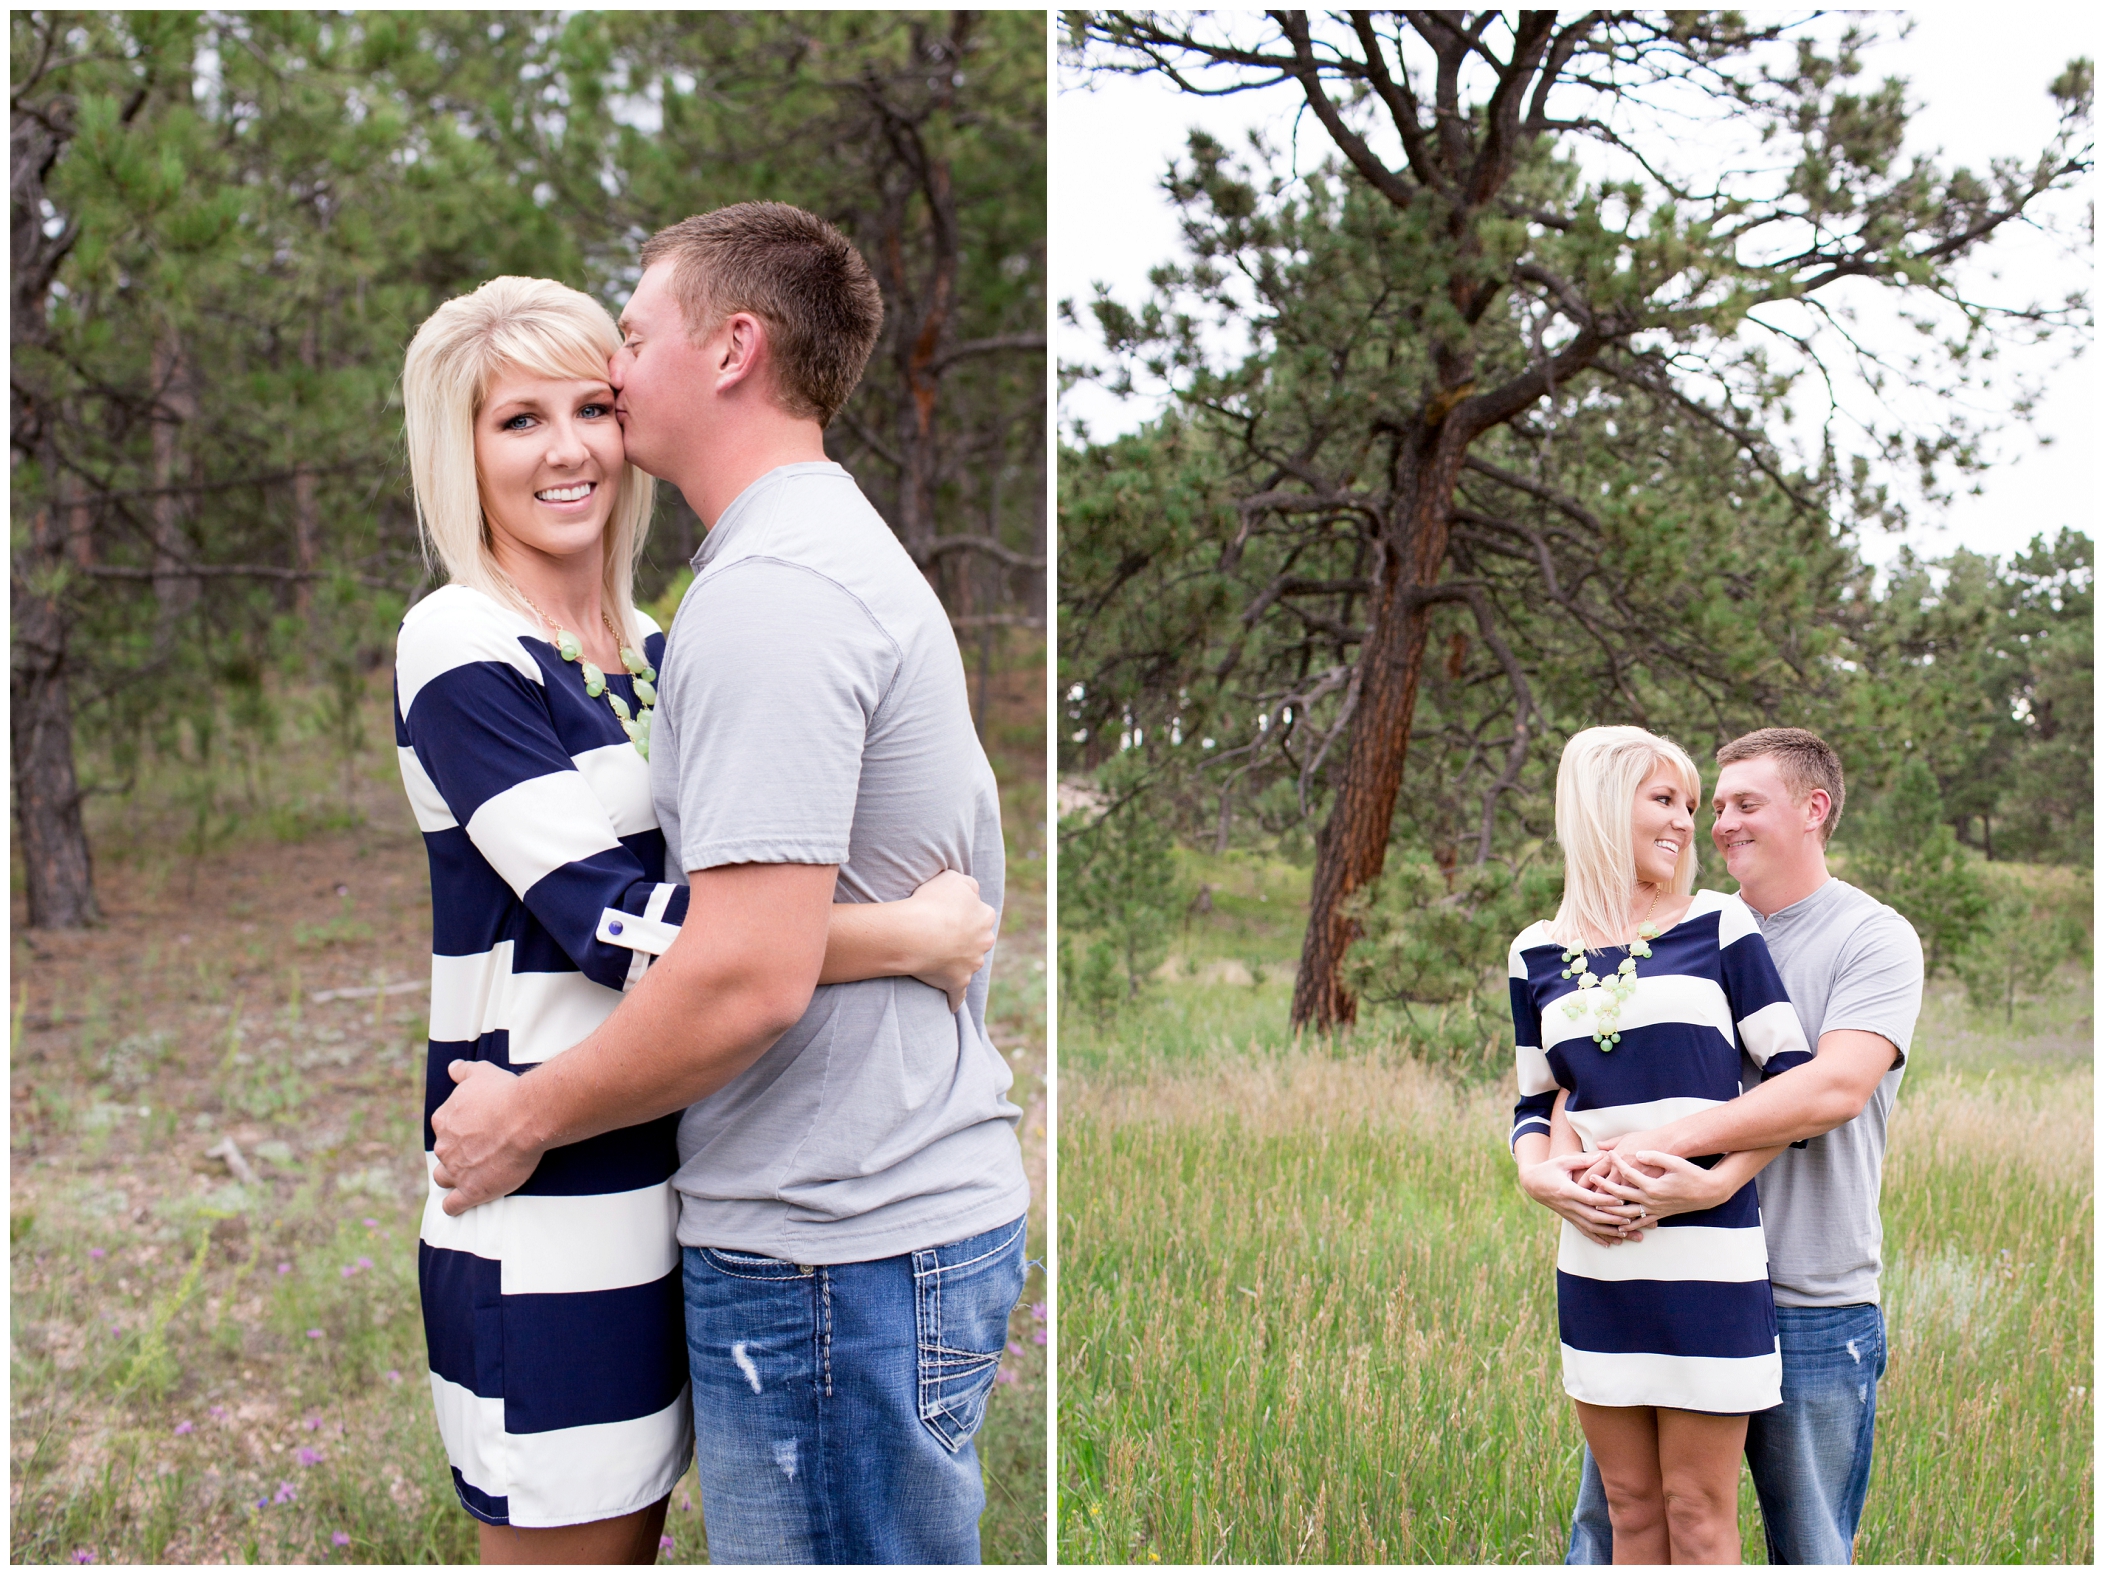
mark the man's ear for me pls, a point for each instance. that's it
(742, 350)
(1817, 806)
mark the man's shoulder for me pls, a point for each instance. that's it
(812, 515)
(1859, 913)
(817, 549)
(1856, 930)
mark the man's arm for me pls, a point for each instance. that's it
(1664, 1184)
(1823, 1093)
(737, 977)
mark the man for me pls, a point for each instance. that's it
(1853, 970)
(851, 1189)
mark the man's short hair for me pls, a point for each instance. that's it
(1805, 760)
(794, 272)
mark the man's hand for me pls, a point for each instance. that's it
(482, 1146)
(961, 931)
(1654, 1139)
(1662, 1184)
(1559, 1186)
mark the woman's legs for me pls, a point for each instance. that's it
(1698, 1458)
(1624, 1441)
(1672, 1481)
(626, 1539)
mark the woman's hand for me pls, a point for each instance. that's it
(1564, 1186)
(1661, 1184)
(954, 933)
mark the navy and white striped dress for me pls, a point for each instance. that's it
(553, 1316)
(1682, 1318)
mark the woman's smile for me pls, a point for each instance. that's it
(577, 493)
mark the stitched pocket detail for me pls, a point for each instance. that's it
(961, 1310)
(749, 1266)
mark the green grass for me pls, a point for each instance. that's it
(1306, 1316)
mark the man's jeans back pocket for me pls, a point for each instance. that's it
(962, 1295)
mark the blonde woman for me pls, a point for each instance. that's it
(523, 700)
(1631, 1007)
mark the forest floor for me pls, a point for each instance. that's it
(209, 1366)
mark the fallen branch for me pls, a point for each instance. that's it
(230, 1151)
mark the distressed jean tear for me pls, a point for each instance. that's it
(745, 1366)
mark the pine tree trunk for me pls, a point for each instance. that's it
(174, 593)
(54, 843)
(1353, 846)
(306, 522)
(52, 839)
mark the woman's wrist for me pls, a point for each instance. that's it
(915, 935)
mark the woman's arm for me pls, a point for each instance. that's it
(1563, 1137)
(480, 757)
(941, 935)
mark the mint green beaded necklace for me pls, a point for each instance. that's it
(571, 649)
(1605, 998)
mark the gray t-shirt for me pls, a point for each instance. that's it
(1848, 961)
(812, 710)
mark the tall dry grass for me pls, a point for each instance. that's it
(1307, 1316)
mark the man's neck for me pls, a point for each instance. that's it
(1787, 889)
(712, 483)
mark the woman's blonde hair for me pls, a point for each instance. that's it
(534, 326)
(1602, 771)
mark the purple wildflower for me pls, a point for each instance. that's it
(314, 1334)
(365, 1263)
(664, 1544)
(83, 1555)
(1014, 1349)
(1037, 1311)
(285, 1494)
(219, 1413)
(394, 1375)
(311, 1423)
(1006, 1376)
(284, 1268)
(342, 1539)
(1038, 1337)
(184, 1427)
(309, 1457)
(372, 1224)
(95, 1252)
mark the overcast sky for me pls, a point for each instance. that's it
(1982, 92)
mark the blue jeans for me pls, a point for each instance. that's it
(834, 1404)
(1810, 1456)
